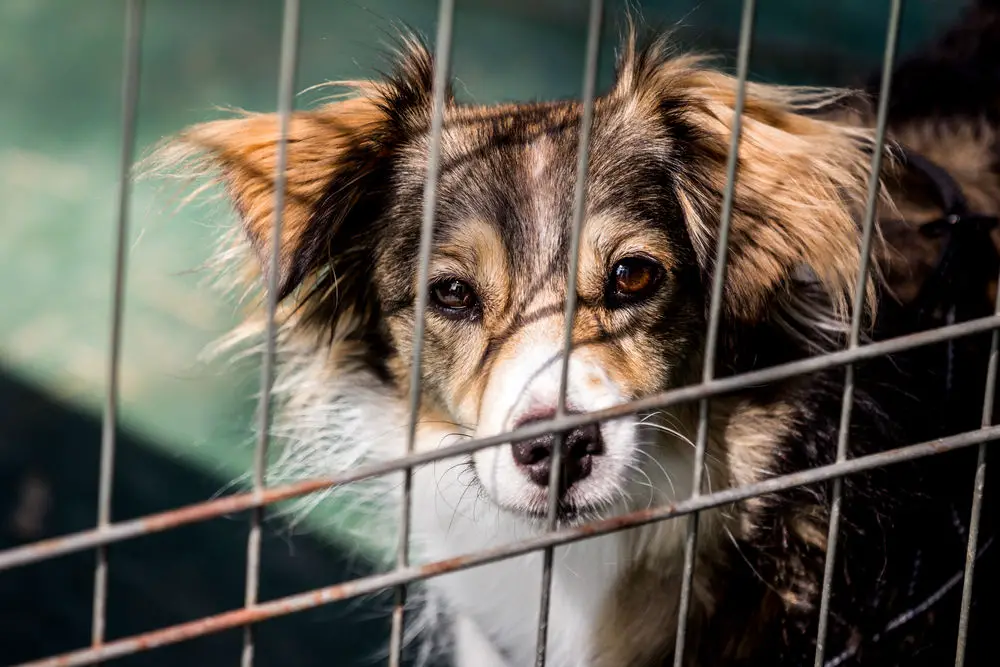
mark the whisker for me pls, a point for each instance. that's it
(666, 475)
(680, 436)
(648, 483)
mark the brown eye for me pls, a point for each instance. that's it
(454, 298)
(633, 279)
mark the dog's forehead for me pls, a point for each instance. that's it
(540, 142)
(515, 167)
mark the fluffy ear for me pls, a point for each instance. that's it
(331, 144)
(336, 174)
(801, 181)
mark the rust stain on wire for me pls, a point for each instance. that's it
(400, 576)
(155, 523)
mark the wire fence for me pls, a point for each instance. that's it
(256, 500)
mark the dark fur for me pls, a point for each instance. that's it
(904, 529)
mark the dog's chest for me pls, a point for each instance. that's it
(502, 599)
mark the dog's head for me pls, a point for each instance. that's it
(500, 253)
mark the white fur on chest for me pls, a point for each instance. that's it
(501, 600)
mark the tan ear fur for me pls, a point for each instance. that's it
(243, 152)
(801, 181)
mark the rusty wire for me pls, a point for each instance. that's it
(398, 576)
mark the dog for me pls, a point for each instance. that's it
(492, 354)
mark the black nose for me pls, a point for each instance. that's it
(579, 447)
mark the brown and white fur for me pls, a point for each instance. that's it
(491, 363)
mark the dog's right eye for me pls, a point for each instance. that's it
(455, 298)
(632, 279)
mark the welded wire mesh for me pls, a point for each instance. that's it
(108, 532)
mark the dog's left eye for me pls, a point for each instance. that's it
(631, 280)
(454, 298)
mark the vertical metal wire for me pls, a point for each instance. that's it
(978, 488)
(286, 99)
(442, 67)
(594, 25)
(847, 400)
(130, 102)
(715, 310)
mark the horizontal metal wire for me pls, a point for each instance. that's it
(125, 530)
(378, 582)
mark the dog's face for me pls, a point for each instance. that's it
(498, 278)
(500, 254)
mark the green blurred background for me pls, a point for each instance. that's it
(185, 423)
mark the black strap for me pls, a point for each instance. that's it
(956, 288)
(950, 195)
(966, 257)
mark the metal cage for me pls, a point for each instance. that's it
(254, 610)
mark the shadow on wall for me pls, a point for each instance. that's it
(47, 489)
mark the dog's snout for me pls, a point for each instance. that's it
(580, 445)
